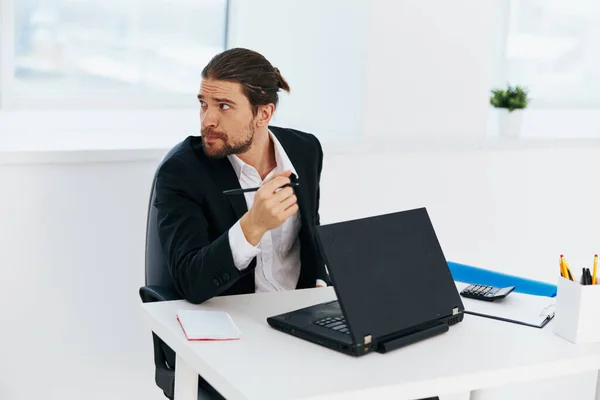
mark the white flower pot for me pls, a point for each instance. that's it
(510, 123)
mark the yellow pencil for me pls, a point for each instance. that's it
(568, 271)
(595, 269)
(563, 269)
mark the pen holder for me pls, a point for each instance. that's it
(576, 312)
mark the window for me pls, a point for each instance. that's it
(553, 48)
(68, 53)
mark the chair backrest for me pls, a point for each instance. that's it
(157, 272)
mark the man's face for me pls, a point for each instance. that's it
(226, 118)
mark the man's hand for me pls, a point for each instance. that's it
(271, 208)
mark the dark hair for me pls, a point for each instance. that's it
(259, 79)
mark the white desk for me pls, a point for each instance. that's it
(267, 364)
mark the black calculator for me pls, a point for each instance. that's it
(486, 293)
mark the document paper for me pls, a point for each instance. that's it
(207, 325)
(519, 308)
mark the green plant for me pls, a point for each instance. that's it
(512, 98)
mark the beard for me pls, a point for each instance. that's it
(224, 147)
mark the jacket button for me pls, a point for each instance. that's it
(226, 276)
(217, 282)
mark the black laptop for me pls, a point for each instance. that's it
(392, 283)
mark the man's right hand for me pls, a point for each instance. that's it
(271, 208)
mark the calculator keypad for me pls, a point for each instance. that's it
(480, 290)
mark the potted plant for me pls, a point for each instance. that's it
(510, 104)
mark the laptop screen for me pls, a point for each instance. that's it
(389, 272)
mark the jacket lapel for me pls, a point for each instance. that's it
(302, 196)
(307, 276)
(301, 191)
(226, 179)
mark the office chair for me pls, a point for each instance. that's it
(159, 287)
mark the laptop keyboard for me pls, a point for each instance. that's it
(335, 324)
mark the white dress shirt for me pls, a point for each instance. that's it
(278, 252)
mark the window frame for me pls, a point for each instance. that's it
(10, 99)
(536, 103)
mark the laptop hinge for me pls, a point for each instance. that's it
(425, 333)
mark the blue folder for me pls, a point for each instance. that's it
(479, 276)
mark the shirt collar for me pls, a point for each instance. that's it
(281, 159)
(237, 164)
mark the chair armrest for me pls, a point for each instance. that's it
(154, 293)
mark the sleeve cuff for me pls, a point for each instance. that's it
(242, 251)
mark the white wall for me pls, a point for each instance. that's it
(378, 68)
(431, 65)
(71, 260)
(319, 47)
(73, 248)
(508, 210)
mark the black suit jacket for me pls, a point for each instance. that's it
(194, 217)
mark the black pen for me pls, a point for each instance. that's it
(585, 279)
(254, 189)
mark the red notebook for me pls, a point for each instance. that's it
(208, 325)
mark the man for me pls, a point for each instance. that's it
(217, 244)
